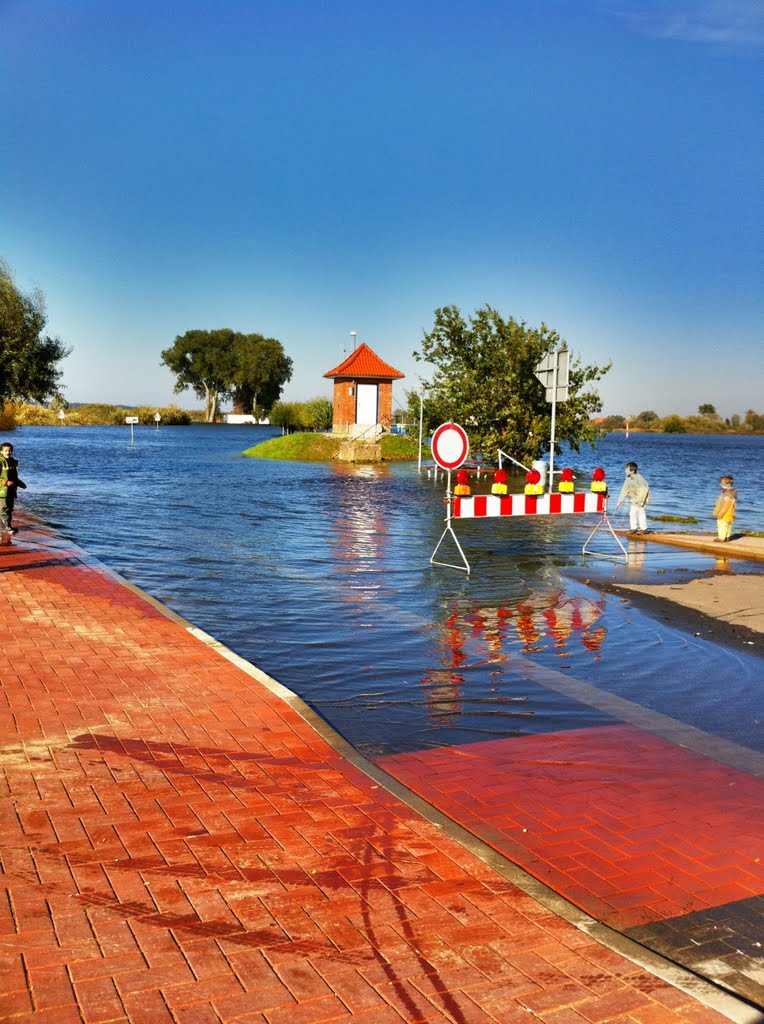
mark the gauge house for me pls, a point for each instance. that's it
(363, 394)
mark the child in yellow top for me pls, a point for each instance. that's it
(724, 509)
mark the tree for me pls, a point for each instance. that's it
(223, 363)
(319, 413)
(754, 422)
(286, 415)
(614, 422)
(674, 424)
(483, 377)
(707, 410)
(646, 420)
(28, 358)
(203, 361)
(260, 371)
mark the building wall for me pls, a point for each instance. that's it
(345, 403)
(386, 402)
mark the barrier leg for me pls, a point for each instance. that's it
(616, 538)
(465, 566)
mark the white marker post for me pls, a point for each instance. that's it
(421, 422)
(132, 420)
(157, 419)
(61, 416)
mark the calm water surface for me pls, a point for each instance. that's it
(320, 575)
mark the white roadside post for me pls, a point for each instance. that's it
(421, 422)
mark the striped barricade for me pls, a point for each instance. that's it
(478, 506)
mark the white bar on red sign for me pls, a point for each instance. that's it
(479, 506)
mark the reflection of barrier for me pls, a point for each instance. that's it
(450, 454)
(489, 636)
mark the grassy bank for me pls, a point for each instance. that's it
(324, 448)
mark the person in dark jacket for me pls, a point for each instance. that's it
(9, 484)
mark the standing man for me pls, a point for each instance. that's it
(637, 490)
(9, 482)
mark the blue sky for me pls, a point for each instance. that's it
(307, 168)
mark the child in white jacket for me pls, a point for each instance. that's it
(637, 490)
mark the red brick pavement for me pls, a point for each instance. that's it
(626, 825)
(178, 844)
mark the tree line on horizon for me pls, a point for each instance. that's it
(706, 421)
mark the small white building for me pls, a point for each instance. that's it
(240, 417)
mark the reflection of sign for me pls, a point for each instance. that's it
(131, 419)
(554, 363)
(450, 446)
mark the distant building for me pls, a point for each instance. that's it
(240, 417)
(363, 393)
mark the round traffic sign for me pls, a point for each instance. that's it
(450, 445)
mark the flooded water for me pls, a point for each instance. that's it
(320, 575)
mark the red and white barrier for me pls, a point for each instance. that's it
(449, 449)
(478, 506)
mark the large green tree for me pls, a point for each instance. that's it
(261, 369)
(482, 376)
(204, 362)
(222, 364)
(29, 359)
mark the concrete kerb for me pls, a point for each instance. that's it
(740, 546)
(704, 991)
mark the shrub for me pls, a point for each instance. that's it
(674, 425)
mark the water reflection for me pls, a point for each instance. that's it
(359, 529)
(635, 554)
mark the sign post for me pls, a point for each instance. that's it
(421, 421)
(553, 371)
(450, 447)
(132, 420)
(157, 418)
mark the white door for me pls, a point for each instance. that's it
(366, 405)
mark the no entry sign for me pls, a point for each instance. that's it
(450, 445)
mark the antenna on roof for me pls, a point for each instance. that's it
(354, 336)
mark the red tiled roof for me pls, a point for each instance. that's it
(363, 362)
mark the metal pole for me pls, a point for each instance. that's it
(421, 418)
(554, 423)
